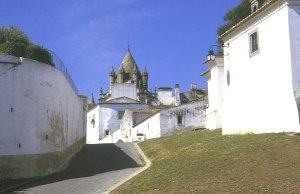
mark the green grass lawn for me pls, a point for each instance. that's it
(207, 162)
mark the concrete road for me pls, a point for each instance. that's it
(94, 169)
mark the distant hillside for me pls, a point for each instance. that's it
(207, 162)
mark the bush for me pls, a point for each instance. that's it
(13, 48)
(14, 41)
(38, 53)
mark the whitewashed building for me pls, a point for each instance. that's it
(215, 85)
(131, 118)
(262, 70)
(128, 89)
(128, 101)
(173, 120)
(105, 119)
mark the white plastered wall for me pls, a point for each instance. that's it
(128, 90)
(92, 134)
(42, 118)
(165, 96)
(39, 110)
(294, 24)
(150, 127)
(109, 116)
(215, 96)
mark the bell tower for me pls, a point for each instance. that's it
(121, 75)
(145, 78)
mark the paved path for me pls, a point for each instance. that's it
(94, 169)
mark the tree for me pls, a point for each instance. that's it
(237, 14)
(14, 41)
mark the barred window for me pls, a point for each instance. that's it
(253, 43)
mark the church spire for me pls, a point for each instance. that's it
(121, 74)
(145, 71)
(92, 103)
(112, 71)
(128, 63)
(145, 78)
(135, 71)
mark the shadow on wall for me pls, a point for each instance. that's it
(92, 159)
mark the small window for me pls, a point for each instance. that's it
(107, 132)
(121, 114)
(179, 120)
(254, 44)
(93, 121)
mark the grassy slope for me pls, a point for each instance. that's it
(207, 162)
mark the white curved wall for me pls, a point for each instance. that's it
(40, 112)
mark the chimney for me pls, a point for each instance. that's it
(254, 5)
(177, 95)
(193, 91)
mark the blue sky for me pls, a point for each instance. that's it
(170, 37)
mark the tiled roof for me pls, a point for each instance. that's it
(191, 96)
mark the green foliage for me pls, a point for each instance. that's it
(13, 48)
(38, 53)
(14, 41)
(237, 14)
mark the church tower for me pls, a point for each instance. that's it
(121, 74)
(145, 79)
(128, 81)
(134, 75)
(92, 103)
(112, 76)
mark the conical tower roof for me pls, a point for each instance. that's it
(92, 102)
(128, 63)
(145, 71)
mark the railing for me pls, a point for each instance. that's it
(59, 64)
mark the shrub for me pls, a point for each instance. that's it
(38, 53)
(13, 41)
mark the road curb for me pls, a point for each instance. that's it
(147, 165)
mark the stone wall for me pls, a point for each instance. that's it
(42, 118)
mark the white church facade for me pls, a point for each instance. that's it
(261, 81)
(128, 103)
